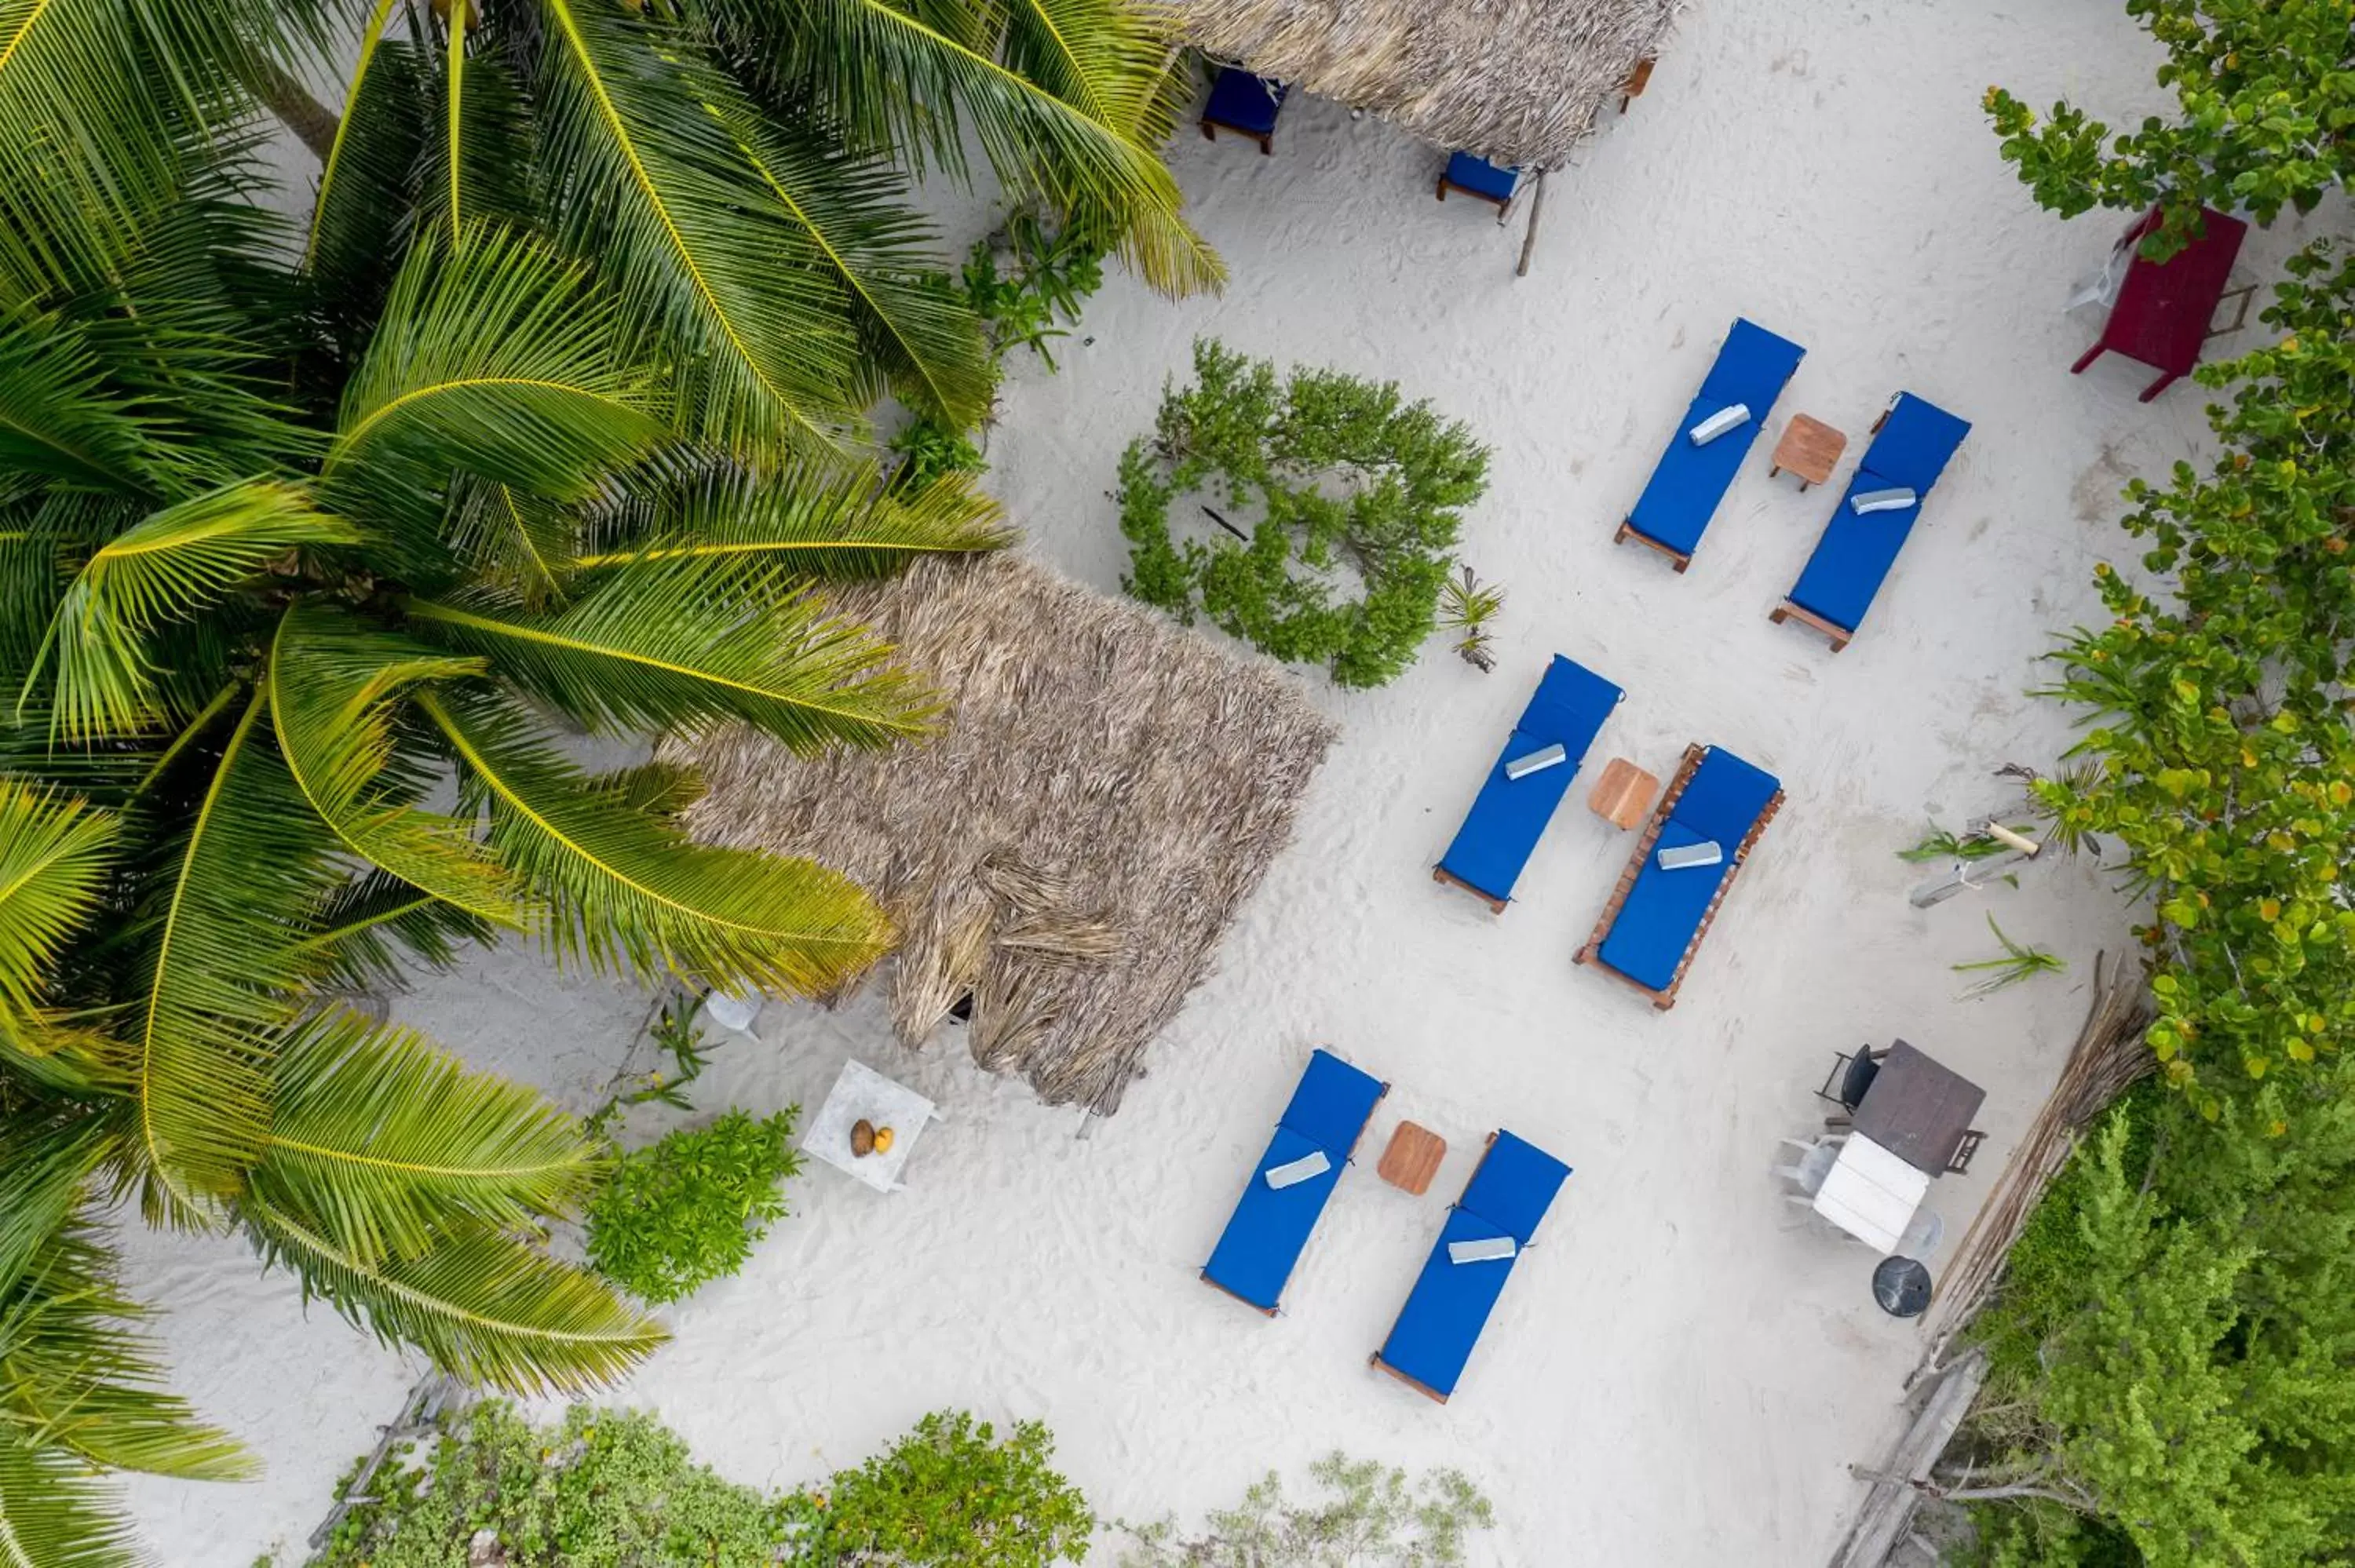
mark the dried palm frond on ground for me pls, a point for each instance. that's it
(1518, 81)
(1105, 792)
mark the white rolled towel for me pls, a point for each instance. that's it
(1292, 1173)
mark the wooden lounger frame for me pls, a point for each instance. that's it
(1375, 1359)
(1203, 1274)
(1495, 904)
(1840, 635)
(1627, 530)
(1592, 953)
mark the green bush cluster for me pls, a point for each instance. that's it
(618, 1489)
(599, 1489)
(1358, 497)
(686, 1210)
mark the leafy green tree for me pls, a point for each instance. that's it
(1355, 488)
(2267, 121)
(2227, 768)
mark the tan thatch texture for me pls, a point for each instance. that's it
(1519, 81)
(1108, 790)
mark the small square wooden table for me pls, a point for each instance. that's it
(1412, 1159)
(1810, 449)
(1622, 795)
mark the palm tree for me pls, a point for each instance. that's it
(313, 543)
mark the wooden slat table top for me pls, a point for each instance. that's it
(1624, 795)
(1918, 1110)
(1810, 449)
(1412, 1159)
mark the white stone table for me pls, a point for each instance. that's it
(863, 1093)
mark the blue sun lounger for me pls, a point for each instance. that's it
(1689, 480)
(1245, 104)
(1509, 815)
(1479, 178)
(1912, 444)
(1270, 1224)
(1656, 917)
(1450, 1303)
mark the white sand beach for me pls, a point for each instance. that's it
(1682, 1369)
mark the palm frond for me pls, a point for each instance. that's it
(642, 122)
(482, 161)
(168, 567)
(517, 546)
(369, 933)
(500, 359)
(921, 335)
(483, 1307)
(55, 851)
(679, 643)
(839, 523)
(917, 78)
(334, 683)
(387, 1142)
(80, 1377)
(627, 889)
(368, 180)
(57, 417)
(46, 1162)
(55, 1512)
(219, 967)
(662, 789)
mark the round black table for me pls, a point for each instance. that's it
(1902, 1285)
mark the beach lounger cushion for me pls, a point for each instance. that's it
(1271, 1224)
(1450, 1305)
(1723, 798)
(1245, 102)
(1854, 556)
(1481, 177)
(1691, 478)
(1662, 911)
(1513, 1186)
(1330, 1107)
(1509, 816)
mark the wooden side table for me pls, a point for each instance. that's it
(1810, 449)
(1622, 796)
(1412, 1159)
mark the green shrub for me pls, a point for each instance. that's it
(608, 1489)
(603, 1490)
(1355, 491)
(950, 1495)
(686, 1211)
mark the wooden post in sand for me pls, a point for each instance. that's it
(1530, 240)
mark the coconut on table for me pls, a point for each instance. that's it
(869, 1126)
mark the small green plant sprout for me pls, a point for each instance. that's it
(679, 1038)
(1940, 844)
(1466, 605)
(2014, 964)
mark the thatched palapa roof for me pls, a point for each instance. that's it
(1519, 81)
(1107, 790)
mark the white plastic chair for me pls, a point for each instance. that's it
(1816, 1157)
(1921, 1235)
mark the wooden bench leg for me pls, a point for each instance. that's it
(2158, 387)
(1442, 187)
(2087, 359)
